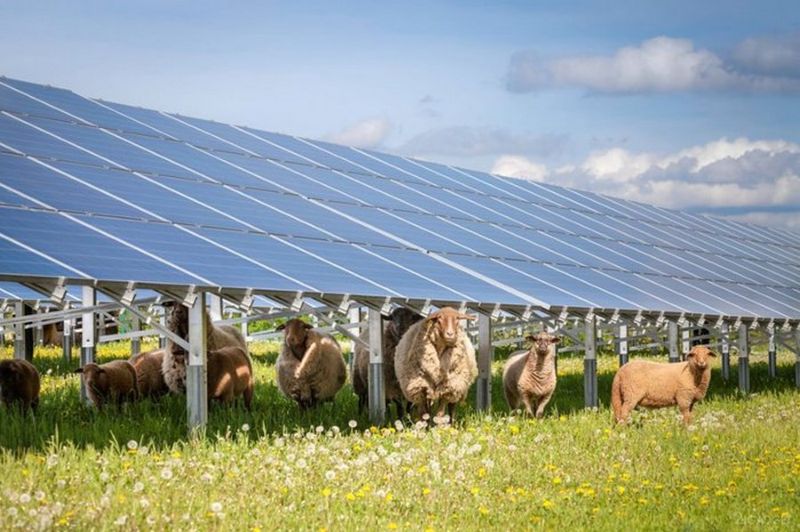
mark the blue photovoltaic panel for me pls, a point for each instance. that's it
(15, 291)
(341, 219)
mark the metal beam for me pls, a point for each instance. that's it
(196, 369)
(353, 316)
(66, 340)
(483, 396)
(19, 331)
(377, 392)
(772, 351)
(672, 341)
(215, 307)
(88, 332)
(622, 343)
(724, 332)
(590, 362)
(136, 343)
(686, 335)
(744, 359)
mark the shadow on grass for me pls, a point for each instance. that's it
(62, 417)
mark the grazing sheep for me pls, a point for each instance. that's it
(217, 337)
(435, 362)
(113, 381)
(230, 374)
(19, 383)
(399, 321)
(149, 379)
(657, 385)
(310, 368)
(529, 377)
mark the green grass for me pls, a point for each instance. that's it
(737, 466)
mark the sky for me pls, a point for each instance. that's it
(685, 104)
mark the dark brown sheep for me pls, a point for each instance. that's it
(113, 381)
(19, 383)
(149, 379)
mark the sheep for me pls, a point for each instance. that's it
(149, 379)
(399, 321)
(19, 383)
(217, 337)
(656, 385)
(230, 374)
(310, 367)
(435, 363)
(113, 381)
(529, 377)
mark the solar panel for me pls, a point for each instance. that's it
(165, 199)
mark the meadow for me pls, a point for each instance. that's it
(68, 466)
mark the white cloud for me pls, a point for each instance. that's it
(718, 150)
(368, 133)
(617, 164)
(469, 141)
(770, 55)
(661, 64)
(520, 167)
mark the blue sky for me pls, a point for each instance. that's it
(686, 104)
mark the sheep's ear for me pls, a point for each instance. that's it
(280, 327)
(79, 370)
(433, 316)
(308, 326)
(712, 354)
(530, 338)
(687, 356)
(467, 317)
(555, 339)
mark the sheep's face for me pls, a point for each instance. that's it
(446, 322)
(8, 373)
(700, 357)
(542, 342)
(95, 377)
(294, 335)
(178, 323)
(401, 319)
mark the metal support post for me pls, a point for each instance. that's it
(19, 332)
(797, 356)
(162, 340)
(196, 370)
(590, 362)
(88, 334)
(483, 396)
(66, 340)
(215, 307)
(772, 352)
(377, 392)
(136, 342)
(725, 340)
(672, 341)
(622, 344)
(686, 343)
(744, 359)
(353, 316)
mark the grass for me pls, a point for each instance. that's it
(69, 466)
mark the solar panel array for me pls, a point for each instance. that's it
(104, 191)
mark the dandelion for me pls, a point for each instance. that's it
(132, 446)
(121, 520)
(24, 498)
(216, 507)
(144, 502)
(330, 475)
(12, 512)
(335, 429)
(138, 487)
(326, 492)
(392, 526)
(206, 477)
(621, 490)
(39, 495)
(483, 510)
(547, 504)
(245, 428)
(52, 460)
(352, 423)
(301, 463)
(166, 473)
(320, 429)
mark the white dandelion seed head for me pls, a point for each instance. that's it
(138, 487)
(24, 498)
(166, 473)
(320, 429)
(352, 423)
(330, 475)
(132, 445)
(216, 507)
(121, 520)
(245, 428)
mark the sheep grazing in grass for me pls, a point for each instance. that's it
(398, 323)
(529, 377)
(230, 374)
(311, 367)
(217, 337)
(19, 383)
(656, 385)
(113, 382)
(435, 363)
(149, 379)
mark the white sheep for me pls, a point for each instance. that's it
(529, 377)
(435, 363)
(310, 368)
(656, 385)
(217, 337)
(398, 323)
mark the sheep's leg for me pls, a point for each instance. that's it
(248, 397)
(625, 411)
(541, 404)
(526, 400)
(451, 411)
(686, 410)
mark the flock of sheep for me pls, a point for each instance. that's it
(429, 367)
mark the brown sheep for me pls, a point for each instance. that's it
(19, 383)
(435, 363)
(656, 385)
(217, 337)
(149, 379)
(230, 374)
(311, 367)
(398, 323)
(113, 381)
(529, 377)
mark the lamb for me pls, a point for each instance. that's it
(149, 379)
(311, 367)
(217, 337)
(529, 377)
(113, 381)
(435, 363)
(19, 383)
(230, 374)
(399, 321)
(657, 385)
